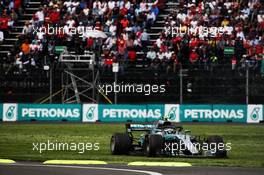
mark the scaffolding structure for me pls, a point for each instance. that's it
(79, 78)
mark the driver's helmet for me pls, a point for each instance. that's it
(167, 123)
(160, 123)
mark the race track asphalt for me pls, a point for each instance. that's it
(40, 169)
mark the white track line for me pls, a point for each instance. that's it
(84, 167)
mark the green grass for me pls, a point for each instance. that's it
(16, 143)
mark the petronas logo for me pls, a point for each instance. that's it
(10, 112)
(255, 113)
(90, 113)
(172, 113)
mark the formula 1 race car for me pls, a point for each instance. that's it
(165, 139)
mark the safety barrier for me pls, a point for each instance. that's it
(252, 113)
(42, 112)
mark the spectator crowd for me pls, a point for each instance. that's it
(127, 24)
(124, 21)
(9, 10)
(237, 40)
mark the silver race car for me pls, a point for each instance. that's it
(165, 139)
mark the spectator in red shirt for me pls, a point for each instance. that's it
(123, 10)
(132, 55)
(194, 42)
(54, 16)
(108, 62)
(17, 4)
(259, 49)
(121, 45)
(124, 22)
(193, 56)
(4, 22)
(90, 43)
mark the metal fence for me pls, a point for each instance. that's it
(217, 84)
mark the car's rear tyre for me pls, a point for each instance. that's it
(120, 144)
(214, 142)
(153, 145)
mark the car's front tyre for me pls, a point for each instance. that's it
(120, 144)
(153, 145)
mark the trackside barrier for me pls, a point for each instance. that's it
(122, 113)
(213, 113)
(175, 112)
(42, 112)
(9, 112)
(252, 113)
(255, 113)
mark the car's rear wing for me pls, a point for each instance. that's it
(139, 127)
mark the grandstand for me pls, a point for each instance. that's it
(222, 67)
